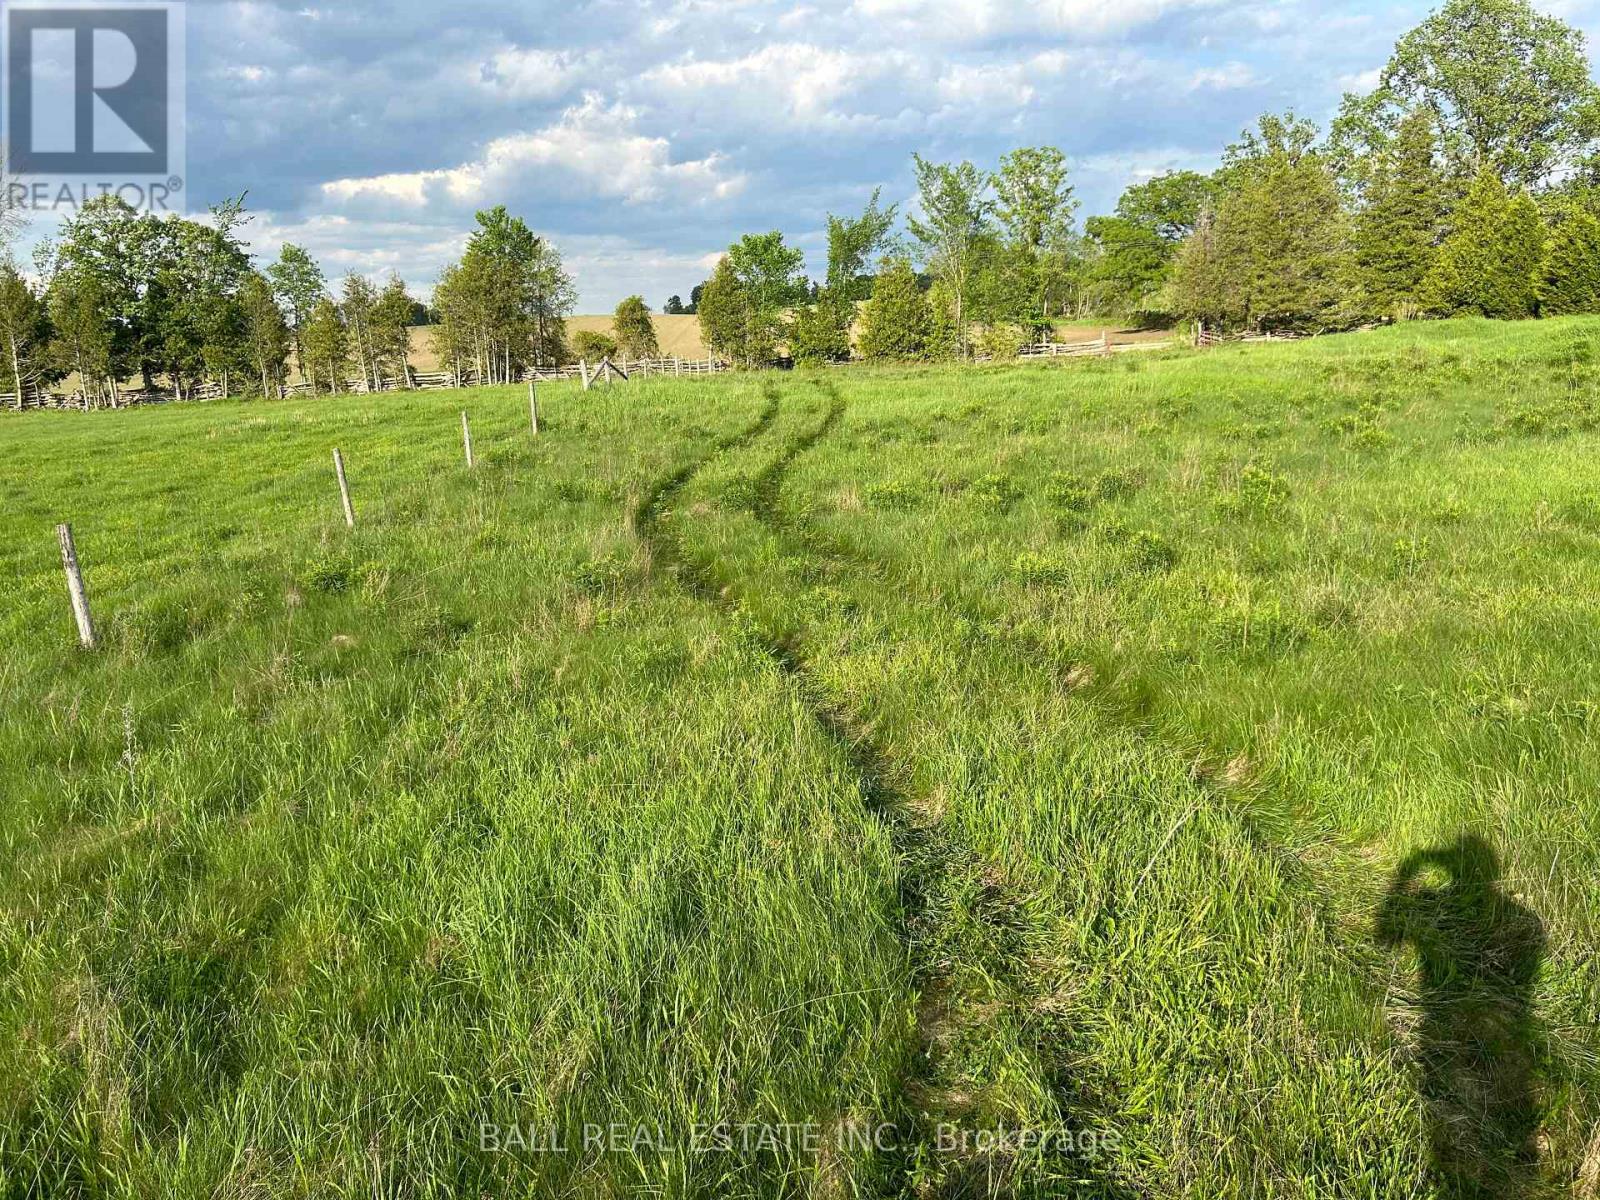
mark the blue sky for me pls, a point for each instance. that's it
(642, 138)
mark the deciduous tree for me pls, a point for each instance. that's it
(634, 331)
(954, 208)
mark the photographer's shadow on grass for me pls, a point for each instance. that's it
(1478, 954)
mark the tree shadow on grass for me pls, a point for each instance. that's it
(1479, 953)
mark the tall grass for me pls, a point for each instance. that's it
(910, 752)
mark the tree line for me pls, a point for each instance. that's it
(122, 296)
(1467, 181)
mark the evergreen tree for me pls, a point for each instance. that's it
(821, 331)
(1489, 262)
(1569, 277)
(1278, 253)
(634, 331)
(1396, 232)
(896, 322)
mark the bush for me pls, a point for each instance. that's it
(592, 345)
(1260, 490)
(1002, 341)
(1042, 570)
(1069, 493)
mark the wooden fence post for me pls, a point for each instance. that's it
(533, 409)
(583, 372)
(466, 437)
(1105, 343)
(344, 489)
(75, 589)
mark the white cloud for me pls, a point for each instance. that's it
(1361, 81)
(978, 20)
(1226, 78)
(594, 145)
(527, 74)
(807, 82)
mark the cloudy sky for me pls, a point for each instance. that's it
(642, 137)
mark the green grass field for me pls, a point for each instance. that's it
(1181, 770)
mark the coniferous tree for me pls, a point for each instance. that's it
(1489, 261)
(1396, 233)
(1569, 276)
(896, 322)
(1277, 253)
(725, 312)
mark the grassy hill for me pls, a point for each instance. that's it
(1168, 775)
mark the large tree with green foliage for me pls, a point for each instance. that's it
(1034, 205)
(954, 207)
(503, 307)
(742, 305)
(633, 329)
(1169, 205)
(1509, 89)
(391, 330)
(327, 345)
(299, 284)
(1127, 261)
(267, 334)
(1488, 263)
(1276, 257)
(1395, 233)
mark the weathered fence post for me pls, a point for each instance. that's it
(466, 437)
(583, 371)
(75, 589)
(533, 409)
(344, 489)
(1105, 343)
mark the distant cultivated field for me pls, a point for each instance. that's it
(1028, 748)
(678, 336)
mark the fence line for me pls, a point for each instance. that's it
(415, 381)
(424, 381)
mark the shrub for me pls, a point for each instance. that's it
(894, 494)
(1042, 570)
(1260, 490)
(1068, 492)
(1002, 341)
(1150, 553)
(1115, 485)
(997, 491)
(592, 345)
